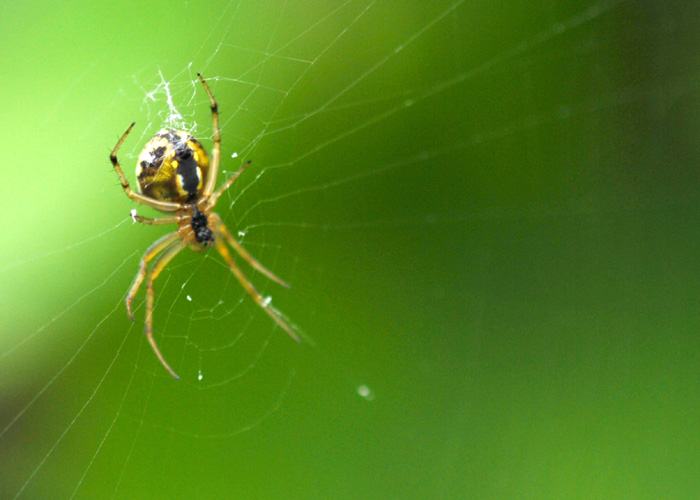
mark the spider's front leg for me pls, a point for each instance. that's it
(216, 150)
(159, 221)
(227, 184)
(164, 206)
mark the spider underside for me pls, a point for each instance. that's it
(176, 177)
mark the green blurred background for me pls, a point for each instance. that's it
(488, 213)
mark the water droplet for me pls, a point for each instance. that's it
(365, 392)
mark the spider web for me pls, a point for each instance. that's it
(399, 150)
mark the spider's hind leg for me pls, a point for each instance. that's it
(158, 266)
(248, 286)
(157, 247)
(221, 229)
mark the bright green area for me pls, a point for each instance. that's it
(488, 214)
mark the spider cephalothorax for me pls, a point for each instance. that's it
(199, 224)
(175, 176)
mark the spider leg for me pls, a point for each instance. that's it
(221, 248)
(158, 266)
(159, 221)
(227, 184)
(165, 206)
(216, 150)
(157, 247)
(222, 229)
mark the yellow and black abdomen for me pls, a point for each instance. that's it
(172, 167)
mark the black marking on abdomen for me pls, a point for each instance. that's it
(187, 170)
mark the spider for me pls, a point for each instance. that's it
(176, 177)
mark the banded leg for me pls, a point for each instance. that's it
(216, 150)
(157, 247)
(222, 229)
(158, 266)
(221, 247)
(165, 206)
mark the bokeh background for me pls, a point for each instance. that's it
(488, 213)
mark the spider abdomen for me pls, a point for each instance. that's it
(172, 167)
